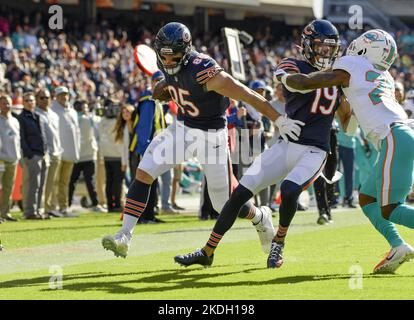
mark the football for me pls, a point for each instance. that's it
(161, 92)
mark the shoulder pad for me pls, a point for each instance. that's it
(289, 65)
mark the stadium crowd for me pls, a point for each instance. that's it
(75, 96)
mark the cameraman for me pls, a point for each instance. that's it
(111, 150)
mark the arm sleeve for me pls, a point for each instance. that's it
(145, 125)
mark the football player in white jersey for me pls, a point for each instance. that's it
(364, 78)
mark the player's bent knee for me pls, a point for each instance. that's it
(144, 177)
(290, 191)
(365, 200)
(241, 192)
(387, 210)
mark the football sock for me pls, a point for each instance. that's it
(250, 212)
(403, 215)
(383, 226)
(136, 201)
(321, 195)
(281, 234)
(227, 216)
(290, 193)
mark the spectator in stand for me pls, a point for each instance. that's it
(69, 134)
(112, 151)
(9, 154)
(34, 145)
(43, 100)
(123, 133)
(87, 156)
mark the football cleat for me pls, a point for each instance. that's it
(118, 244)
(265, 229)
(196, 257)
(275, 259)
(323, 219)
(394, 259)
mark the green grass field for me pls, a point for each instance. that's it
(319, 261)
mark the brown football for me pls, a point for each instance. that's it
(161, 92)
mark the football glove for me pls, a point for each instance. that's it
(289, 128)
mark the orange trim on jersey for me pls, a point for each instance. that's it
(202, 78)
(287, 68)
(288, 63)
(205, 70)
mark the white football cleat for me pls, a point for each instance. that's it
(394, 259)
(265, 229)
(118, 244)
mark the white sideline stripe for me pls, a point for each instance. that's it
(387, 171)
(88, 251)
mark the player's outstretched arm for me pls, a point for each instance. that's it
(314, 80)
(227, 86)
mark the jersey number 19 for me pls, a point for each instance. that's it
(329, 94)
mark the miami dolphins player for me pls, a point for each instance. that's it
(363, 75)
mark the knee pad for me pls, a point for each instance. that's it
(290, 190)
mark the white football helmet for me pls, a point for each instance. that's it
(377, 46)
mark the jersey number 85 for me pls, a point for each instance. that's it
(184, 105)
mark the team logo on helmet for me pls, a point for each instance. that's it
(186, 36)
(372, 37)
(309, 30)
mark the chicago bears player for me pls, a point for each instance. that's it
(201, 89)
(297, 162)
(363, 75)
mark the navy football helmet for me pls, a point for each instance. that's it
(173, 38)
(320, 43)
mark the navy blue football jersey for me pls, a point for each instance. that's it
(197, 107)
(316, 108)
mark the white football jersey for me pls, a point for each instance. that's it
(371, 96)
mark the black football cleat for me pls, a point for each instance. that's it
(196, 257)
(275, 259)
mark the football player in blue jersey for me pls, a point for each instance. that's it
(201, 90)
(297, 163)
